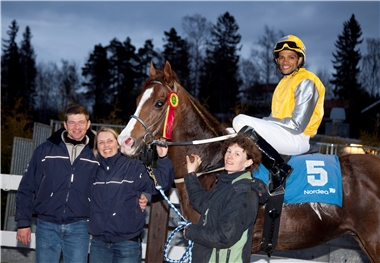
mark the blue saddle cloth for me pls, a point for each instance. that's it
(316, 178)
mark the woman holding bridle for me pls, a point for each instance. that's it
(228, 211)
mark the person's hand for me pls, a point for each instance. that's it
(184, 232)
(192, 166)
(143, 201)
(161, 150)
(23, 235)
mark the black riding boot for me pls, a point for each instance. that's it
(271, 159)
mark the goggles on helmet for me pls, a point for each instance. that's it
(289, 44)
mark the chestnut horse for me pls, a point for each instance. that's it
(302, 225)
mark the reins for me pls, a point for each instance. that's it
(195, 142)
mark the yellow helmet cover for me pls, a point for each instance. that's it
(290, 42)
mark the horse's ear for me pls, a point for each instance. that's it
(168, 75)
(152, 70)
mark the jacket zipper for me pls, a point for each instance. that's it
(71, 180)
(228, 255)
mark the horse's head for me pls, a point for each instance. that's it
(155, 104)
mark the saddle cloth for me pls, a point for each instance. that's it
(315, 178)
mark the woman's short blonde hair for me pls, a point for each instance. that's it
(103, 129)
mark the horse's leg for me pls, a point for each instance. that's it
(366, 222)
(258, 230)
(362, 201)
(371, 249)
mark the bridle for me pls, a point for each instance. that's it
(149, 135)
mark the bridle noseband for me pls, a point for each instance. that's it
(148, 137)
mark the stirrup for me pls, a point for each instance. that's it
(279, 178)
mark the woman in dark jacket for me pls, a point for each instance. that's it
(228, 211)
(116, 219)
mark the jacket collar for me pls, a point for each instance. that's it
(228, 178)
(56, 137)
(110, 160)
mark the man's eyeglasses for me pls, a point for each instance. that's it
(79, 123)
(281, 45)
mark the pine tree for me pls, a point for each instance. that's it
(124, 64)
(220, 81)
(97, 74)
(345, 80)
(11, 68)
(176, 52)
(29, 71)
(346, 61)
(146, 55)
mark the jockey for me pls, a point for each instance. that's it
(296, 111)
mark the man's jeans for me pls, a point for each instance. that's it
(119, 252)
(72, 239)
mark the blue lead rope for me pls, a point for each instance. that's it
(181, 225)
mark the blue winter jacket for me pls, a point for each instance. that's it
(115, 212)
(53, 188)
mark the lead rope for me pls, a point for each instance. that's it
(181, 225)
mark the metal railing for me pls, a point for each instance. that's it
(343, 149)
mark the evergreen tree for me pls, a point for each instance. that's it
(97, 80)
(176, 52)
(220, 80)
(11, 68)
(124, 64)
(146, 55)
(345, 80)
(346, 61)
(29, 70)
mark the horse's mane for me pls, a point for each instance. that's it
(214, 124)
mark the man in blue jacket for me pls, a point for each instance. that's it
(56, 186)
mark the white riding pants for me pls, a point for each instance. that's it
(279, 138)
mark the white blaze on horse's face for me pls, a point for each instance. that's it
(127, 143)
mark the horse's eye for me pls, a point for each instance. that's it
(159, 104)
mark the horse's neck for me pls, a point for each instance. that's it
(208, 125)
(197, 124)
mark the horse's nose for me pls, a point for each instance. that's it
(129, 142)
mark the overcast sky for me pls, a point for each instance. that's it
(70, 30)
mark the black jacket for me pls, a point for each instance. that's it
(228, 213)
